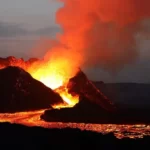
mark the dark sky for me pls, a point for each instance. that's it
(23, 23)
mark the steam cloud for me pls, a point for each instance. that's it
(102, 32)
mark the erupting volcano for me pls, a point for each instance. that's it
(55, 74)
(52, 75)
(95, 34)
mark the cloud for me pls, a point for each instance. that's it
(103, 31)
(14, 30)
(11, 30)
(49, 31)
(137, 73)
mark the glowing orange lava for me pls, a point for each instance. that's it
(32, 119)
(68, 98)
(55, 74)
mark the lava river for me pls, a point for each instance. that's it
(120, 131)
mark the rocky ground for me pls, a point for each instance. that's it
(37, 138)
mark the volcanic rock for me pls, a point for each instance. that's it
(93, 106)
(83, 112)
(132, 101)
(87, 112)
(80, 85)
(20, 92)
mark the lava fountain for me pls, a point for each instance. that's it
(55, 72)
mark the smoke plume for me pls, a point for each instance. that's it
(101, 32)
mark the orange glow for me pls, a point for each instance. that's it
(68, 98)
(120, 131)
(48, 73)
(55, 72)
(54, 76)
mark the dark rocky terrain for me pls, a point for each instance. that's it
(88, 112)
(132, 103)
(36, 138)
(83, 112)
(20, 92)
(93, 106)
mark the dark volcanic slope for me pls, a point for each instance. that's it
(132, 101)
(83, 112)
(80, 85)
(19, 137)
(93, 106)
(20, 92)
(88, 112)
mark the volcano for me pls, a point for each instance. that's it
(80, 85)
(20, 92)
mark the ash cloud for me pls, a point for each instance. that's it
(103, 31)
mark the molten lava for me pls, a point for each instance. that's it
(54, 75)
(68, 98)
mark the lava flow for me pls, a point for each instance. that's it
(120, 131)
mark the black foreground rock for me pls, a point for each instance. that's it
(18, 137)
(20, 92)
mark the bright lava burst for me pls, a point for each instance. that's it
(55, 75)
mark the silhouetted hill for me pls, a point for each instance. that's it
(83, 112)
(87, 112)
(20, 92)
(132, 103)
(81, 85)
